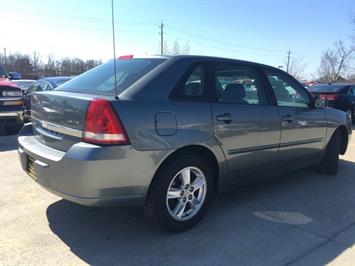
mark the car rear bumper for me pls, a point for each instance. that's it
(89, 174)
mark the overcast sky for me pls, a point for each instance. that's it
(261, 31)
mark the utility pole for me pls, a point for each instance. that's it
(161, 33)
(5, 61)
(288, 60)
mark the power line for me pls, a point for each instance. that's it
(72, 17)
(219, 47)
(137, 23)
(75, 27)
(224, 42)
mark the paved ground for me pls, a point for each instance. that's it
(301, 219)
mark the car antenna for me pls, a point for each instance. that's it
(114, 49)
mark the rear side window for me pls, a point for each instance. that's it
(192, 86)
(101, 79)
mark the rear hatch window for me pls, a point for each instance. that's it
(101, 80)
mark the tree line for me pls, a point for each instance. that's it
(34, 66)
(337, 63)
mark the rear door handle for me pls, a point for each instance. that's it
(226, 118)
(287, 118)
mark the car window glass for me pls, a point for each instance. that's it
(33, 88)
(239, 84)
(101, 79)
(194, 85)
(46, 86)
(352, 91)
(286, 91)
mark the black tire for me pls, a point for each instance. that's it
(156, 206)
(329, 164)
(350, 113)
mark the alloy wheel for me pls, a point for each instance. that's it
(186, 193)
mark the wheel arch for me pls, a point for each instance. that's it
(344, 138)
(190, 150)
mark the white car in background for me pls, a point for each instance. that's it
(24, 84)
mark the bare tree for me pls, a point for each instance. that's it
(176, 48)
(165, 48)
(31, 66)
(296, 67)
(36, 62)
(186, 48)
(334, 62)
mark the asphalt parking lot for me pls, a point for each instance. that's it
(304, 218)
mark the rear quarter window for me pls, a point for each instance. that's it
(101, 79)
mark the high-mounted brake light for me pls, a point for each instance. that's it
(125, 57)
(102, 125)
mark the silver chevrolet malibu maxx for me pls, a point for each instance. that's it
(168, 132)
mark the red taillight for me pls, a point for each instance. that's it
(329, 97)
(126, 57)
(102, 125)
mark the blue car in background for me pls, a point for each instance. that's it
(44, 84)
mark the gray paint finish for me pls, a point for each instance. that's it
(255, 142)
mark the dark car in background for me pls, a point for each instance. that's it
(44, 84)
(339, 96)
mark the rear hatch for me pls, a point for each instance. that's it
(59, 116)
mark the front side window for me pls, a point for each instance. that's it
(238, 84)
(286, 91)
(352, 91)
(46, 86)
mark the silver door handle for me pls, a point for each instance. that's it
(226, 117)
(287, 118)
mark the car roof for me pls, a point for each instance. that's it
(57, 78)
(333, 84)
(206, 58)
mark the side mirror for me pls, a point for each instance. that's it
(319, 103)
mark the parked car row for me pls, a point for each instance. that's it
(15, 97)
